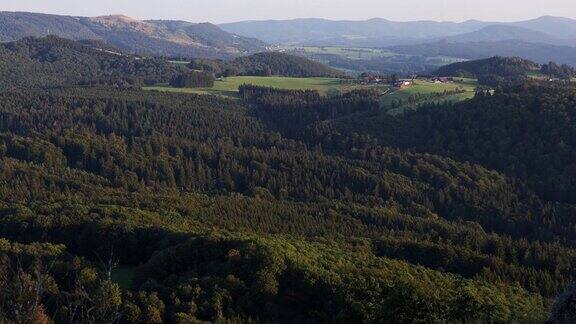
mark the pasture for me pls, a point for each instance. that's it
(180, 62)
(229, 86)
(399, 100)
(351, 53)
(394, 101)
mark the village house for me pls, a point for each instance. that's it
(442, 80)
(402, 83)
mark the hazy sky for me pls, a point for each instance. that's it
(219, 11)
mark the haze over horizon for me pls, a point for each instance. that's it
(224, 11)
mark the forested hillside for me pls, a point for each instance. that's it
(154, 37)
(537, 52)
(17, 25)
(266, 64)
(525, 131)
(124, 174)
(123, 205)
(497, 71)
(506, 67)
(378, 32)
(52, 61)
(502, 32)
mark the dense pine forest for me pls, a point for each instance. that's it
(123, 205)
(266, 64)
(51, 62)
(500, 66)
(506, 71)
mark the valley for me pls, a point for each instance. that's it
(395, 100)
(377, 60)
(286, 171)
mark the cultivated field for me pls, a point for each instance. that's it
(351, 53)
(354, 53)
(395, 101)
(180, 62)
(229, 86)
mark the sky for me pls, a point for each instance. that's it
(222, 11)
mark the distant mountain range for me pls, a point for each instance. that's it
(170, 38)
(381, 32)
(543, 39)
(498, 33)
(300, 31)
(538, 52)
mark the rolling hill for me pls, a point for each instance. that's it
(543, 39)
(526, 132)
(501, 66)
(285, 65)
(497, 33)
(17, 25)
(381, 32)
(267, 64)
(169, 38)
(538, 52)
(119, 205)
(558, 26)
(55, 62)
(498, 71)
(376, 31)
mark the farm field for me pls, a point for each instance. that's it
(354, 53)
(229, 86)
(424, 88)
(351, 53)
(180, 62)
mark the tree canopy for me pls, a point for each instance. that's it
(123, 205)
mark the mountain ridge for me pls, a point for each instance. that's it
(538, 52)
(500, 32)
(313, 30)
(377, 27)
(156, 37)
(39, 63)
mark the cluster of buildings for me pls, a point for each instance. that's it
(441, 79)
(403, 83)
(372, 78)
(366, 79)
(378, 79)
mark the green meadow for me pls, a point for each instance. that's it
(424, 87)
(229, 86)
(351, 53)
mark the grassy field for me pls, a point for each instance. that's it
(425, 87)
(180, 62)
(229, 86)
(353, 53)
